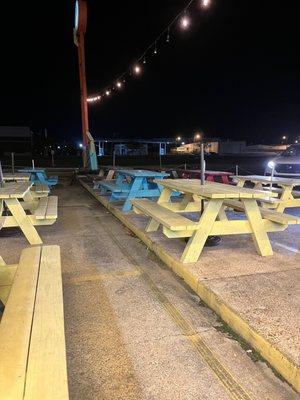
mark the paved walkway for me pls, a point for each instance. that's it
(133, 329)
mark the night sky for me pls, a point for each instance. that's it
(234, 74)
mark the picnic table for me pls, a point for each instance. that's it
(287, 195)
(38, 175)
(16, 177)
(211, 176)
(213, 220)
(131, 184)
(17, 198)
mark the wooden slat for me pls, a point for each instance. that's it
(166, 217)
(47, 371)
(16, 324)
(51, 212)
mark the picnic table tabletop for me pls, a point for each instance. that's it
(140, 173)
(287, 196)
(16, 177)
(31, 170)
(268, 179)
(213, 190)
(15, 190)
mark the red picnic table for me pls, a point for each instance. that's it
(211, 176)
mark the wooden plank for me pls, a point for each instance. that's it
(16, 324)
(51, 212)
(47, 370)
(197, 241)
(164, 216)
(259, 234)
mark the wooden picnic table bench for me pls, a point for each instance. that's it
(17, 198)
(32, 338)
(213, 219)
(287, 197)
(131, 184)
(211, 176)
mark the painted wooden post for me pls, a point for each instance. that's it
(236, 170)
(32, 161)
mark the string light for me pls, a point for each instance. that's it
(137, 69)
(205, 3)
(182, 18)
(185, 22)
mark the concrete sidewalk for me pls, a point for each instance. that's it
(133, 329)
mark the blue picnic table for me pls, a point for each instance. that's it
(38, 175)
(131, 184)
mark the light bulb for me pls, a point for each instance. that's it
(185, 22)
(137, 69)
(205, 3)
(119, 85)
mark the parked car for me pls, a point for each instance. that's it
(286, 164)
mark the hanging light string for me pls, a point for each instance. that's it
(118, 83)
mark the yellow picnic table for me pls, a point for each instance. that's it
(15, 199)
(213, 220)
(287, 196)
(17, 177)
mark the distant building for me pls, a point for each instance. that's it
(15, 139)
(212, 146)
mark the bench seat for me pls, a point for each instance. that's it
(274, 216)
(32, 337)
(47, 208)
(168, 218)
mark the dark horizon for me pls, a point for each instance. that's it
(234, 74)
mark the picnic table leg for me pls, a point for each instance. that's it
(285, 196)
(259, 234)
(196, 242)
(163, 198)
(135, 187)
(23, 221)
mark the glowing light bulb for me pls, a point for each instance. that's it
(205, 3)
(137, 69)
(119, 85)
(185, 22)
(107, 92)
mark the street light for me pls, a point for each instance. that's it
(178, 138)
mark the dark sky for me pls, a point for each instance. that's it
(235, 74)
